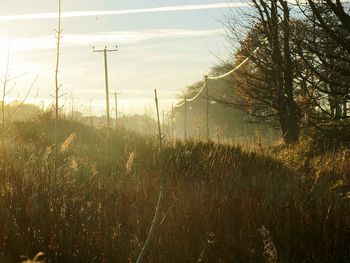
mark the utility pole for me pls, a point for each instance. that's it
(207, 95)
(105, 51)
(172, 123)
(159, 126)
(245, 132)
(185, 117)
(116, 105)
(90, 112)
(164, 129)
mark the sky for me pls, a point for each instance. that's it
(162, 44)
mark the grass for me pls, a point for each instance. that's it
(103, 204)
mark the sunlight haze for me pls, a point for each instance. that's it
(166, 45)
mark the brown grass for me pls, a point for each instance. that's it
(104, 203)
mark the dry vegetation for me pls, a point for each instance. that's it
(227, 205)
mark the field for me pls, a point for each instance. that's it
(221, 203)
(175, 131)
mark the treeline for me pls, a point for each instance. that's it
(226, 124)
(298, 73)
(18, 111)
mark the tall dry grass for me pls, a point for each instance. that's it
(108, 188)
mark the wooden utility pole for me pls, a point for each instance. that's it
(185, 117)
(164, 128)
(207, 96)
(116, 105)
(172, 123)
(157, 215)
(158, 119)
(245, 132)
(90, 109)
(105, 51)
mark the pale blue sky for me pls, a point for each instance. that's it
(163, 50)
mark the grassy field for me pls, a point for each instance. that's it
(216, 199)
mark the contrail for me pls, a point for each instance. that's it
(71, 40)
(36, 16)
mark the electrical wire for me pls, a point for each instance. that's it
(191, 99)
(179, 105)
(197, 95)
(220, 76)
(233, 70)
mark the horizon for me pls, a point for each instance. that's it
(172, 44)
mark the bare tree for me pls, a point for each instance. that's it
(3, 114)
(6, 113)
(266, 83)
(57, 88)
(326, 53)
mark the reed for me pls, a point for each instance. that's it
(215, 199)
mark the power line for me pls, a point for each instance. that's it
(184, 102)
(237, 67)
(218, 77)
(197, 95)
(192, 99)
(179, 105)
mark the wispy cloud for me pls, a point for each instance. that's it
(49, 42)
(4, 18)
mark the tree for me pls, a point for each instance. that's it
(7, 111)
(57, 89)
(325, 50)
(266, 83)
(227, 121)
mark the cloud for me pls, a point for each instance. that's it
(4, 18)
(96, 13)
(119, 37)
